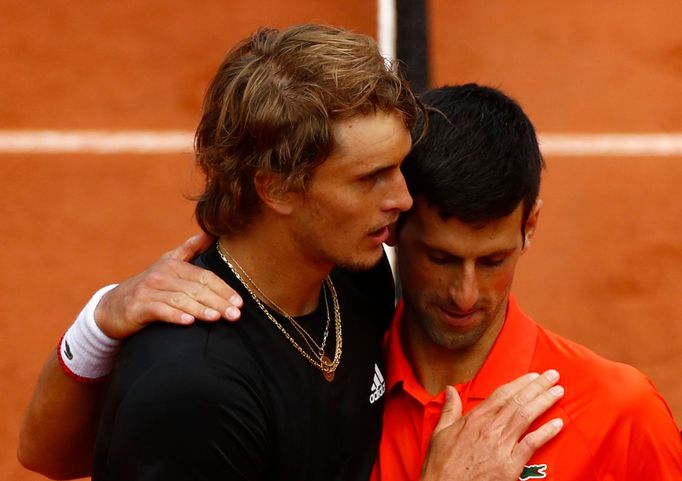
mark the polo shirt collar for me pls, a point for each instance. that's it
(398, 367)
(509, 358)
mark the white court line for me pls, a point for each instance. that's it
(178, 141)
(95, 142)
(588, 145)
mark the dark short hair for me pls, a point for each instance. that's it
(479, 158)
(271, 106)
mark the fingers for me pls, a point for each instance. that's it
(535, 440)
(534, 398)
(197, 292)
(517, 393)
(530, 391)
(186, 315)
(528, 402)
(493, 436)
(170, 290)
(197, 300)
(205, 292)
(191, 248)
(452, 410)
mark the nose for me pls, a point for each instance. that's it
(463, 290)
(398, 197)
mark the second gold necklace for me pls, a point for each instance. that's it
(317, 356)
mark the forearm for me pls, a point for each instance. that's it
(58, 431)
(59, 427)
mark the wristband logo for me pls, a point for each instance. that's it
(533, 471)
(67, 350)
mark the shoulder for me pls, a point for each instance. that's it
(187, 416)
(201, 344)
(584, 371)
(613, 410)
(606, 397)
(193, 394)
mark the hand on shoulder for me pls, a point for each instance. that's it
(170, 290)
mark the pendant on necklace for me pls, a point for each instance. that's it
(328, 375)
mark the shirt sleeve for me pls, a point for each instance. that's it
(646, 436)
(186, 424)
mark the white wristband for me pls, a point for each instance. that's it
(85, 352)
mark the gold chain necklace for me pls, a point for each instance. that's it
(318, 359)
(320, 348)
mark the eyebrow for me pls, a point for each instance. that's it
(498, 252)
(377, 170)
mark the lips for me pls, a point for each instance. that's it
(380, 235)
(457, 319)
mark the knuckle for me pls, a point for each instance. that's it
(531, 442)
(154, 278)
(176, 299)
(503, 393)
(204, 278)
(194, 293)
(137, 294)
(518, 400)
(490, 431)
(524, 413)
(475, 416)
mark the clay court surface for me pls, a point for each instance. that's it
(605, 268)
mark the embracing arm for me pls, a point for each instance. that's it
(60, 423)
(58, 430)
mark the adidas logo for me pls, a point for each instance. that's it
(378, 386)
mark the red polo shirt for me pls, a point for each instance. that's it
(617, 427)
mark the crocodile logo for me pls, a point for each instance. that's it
(67, 350)
(533, 471)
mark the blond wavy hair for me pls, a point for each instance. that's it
(271, 106)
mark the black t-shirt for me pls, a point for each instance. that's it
(237, 401)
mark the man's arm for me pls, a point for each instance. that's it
(58, 431)
(59, 426)
(489, 443)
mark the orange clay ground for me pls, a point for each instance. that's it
(605, 268)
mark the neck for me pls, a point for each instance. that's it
(277, 269)
(435, 366)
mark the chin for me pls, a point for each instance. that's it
(361, 264)
(452, 339)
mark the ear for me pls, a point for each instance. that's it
(273, 192)
(532, 224)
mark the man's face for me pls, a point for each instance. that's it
(344, 215)
(456, 277)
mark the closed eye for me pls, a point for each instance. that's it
(441, 259)
(371, 177)
(492, 261)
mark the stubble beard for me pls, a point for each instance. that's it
(357, 265)
(449, 338)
